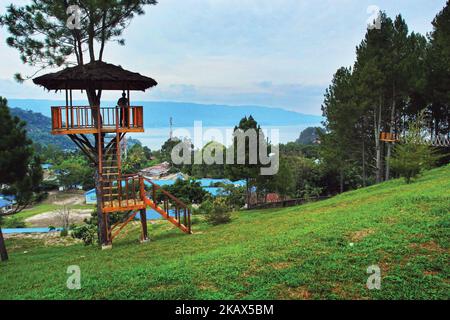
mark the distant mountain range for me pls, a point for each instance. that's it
(157, 114)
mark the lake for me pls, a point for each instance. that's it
(155, 137)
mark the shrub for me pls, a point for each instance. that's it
(205, 208)
(13, 222)
(86, 232)
(413, 155)
(219, 213)
(64, 232)
(235, 196)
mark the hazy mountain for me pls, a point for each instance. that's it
(39, 128)
(157, 114)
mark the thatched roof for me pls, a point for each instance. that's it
(95, 75)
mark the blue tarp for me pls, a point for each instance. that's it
(5, 203)
(29, 230)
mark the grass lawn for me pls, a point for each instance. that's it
(316, 251)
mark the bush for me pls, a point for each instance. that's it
(13, 222)
(235, 196)
(87, 233)
(219, 212)
(413, 155)
(64, 233)
(205, 208)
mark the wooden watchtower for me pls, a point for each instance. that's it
(98, 131)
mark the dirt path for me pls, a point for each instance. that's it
(53, 218)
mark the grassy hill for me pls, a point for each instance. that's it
(316, 251)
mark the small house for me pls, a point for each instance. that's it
(6, 206)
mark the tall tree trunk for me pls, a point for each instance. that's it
(377, 129)
(247, 192)
(364, 173)
(341, 180)
(102, 219)
(391, 130)
(3, 252)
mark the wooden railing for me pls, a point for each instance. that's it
(177, 211)
(123, 193)
(134, 192)
(84, 117)
(389, 137)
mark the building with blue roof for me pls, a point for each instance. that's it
(5, 206)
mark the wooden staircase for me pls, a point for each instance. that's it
(110, 170)
(167, 205)
(133, 193)
(151, 196)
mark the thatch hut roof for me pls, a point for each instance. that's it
(95, 75)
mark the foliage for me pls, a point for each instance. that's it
(212, 166)
(20, 171)
(75, 170)
(235, 196)
(39, 30)
(15, 147)
(397, 73)
(218, 212)
(413, 155)
(137, 158)
(206, 207)
(188, 191)
(296, 149)
(13, 222)
(86, 232)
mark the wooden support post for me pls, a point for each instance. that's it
(144, 236)
(106, 232)
(189, 220)
(3, 252)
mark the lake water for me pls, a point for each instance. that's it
(155, 137)
(29, 230)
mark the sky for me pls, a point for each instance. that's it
(276, 53)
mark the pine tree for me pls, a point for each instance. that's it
(20, 172)
(413, 154)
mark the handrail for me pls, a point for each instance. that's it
(182, 212)
(82, 117)
(171, 196)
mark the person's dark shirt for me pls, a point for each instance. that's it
(123, 102)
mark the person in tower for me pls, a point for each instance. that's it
(122, 103)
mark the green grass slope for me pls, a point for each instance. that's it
(316, 251)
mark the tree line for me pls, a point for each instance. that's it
(397, 75)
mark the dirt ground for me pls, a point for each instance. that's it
(49, 239)
(65, 198)
(54, 217)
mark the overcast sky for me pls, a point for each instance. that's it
(279, 53)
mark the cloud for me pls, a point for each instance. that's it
(278, 53)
